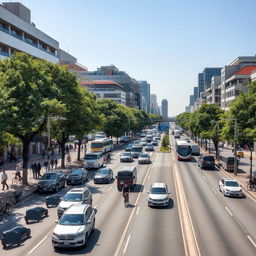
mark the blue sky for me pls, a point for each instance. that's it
(166, 42)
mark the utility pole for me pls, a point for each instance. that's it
(235, 148)
(49, 143)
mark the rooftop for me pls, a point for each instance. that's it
(247, 70)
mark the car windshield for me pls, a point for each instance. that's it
(49, 176)
(72, 219)
(96, 145)
(230, 160)
(90, 157)
(158, 191)
(73, 197)
(103, 171)
(144, 155)
(126, 154)
(208, 158)
(232, 184)
(76, 172)
(150, 145)
(136, 149)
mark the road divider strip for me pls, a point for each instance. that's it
(126, 244)
(228, 211)
(251, 241)
(37, 245)
(188, 233)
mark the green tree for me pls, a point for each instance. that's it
(27, 99)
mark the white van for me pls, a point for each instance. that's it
(94, 160)
(177, 134)
(195, 149)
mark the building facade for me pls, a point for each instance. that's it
(153, 103)
(145, 91)
(208, 73)
(164, 108)
(191, 100)
(200, 85)
(213, 93)
(112, 73)
(19, 34)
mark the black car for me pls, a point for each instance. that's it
(128, 148)
(53, 200)
(51, 181)
(77, 176)
(103, 175)
(16, 235)
(36, 214)
(206, 162)
(124, 139)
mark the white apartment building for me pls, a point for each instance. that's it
(106, 90)
(213, 93)
(17, 33)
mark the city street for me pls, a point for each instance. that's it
(221, 225)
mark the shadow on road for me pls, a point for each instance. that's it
(138, 188)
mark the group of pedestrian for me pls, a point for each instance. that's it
(36, 168)
(54, 163)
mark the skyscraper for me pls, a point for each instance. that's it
(145, 90)
(208, 73)
(164, 107)
(153, 103)
(200, 85)
(191, 100)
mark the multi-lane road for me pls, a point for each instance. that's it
(198, 221)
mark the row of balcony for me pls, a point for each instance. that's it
(26, 40)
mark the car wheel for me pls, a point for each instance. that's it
(28, 233)
(26, 220)
(4, 245)
(46, 213)
(93, 226)
(219, 188)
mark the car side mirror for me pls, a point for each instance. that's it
(89, 222)
(56, 221)
(95, 210)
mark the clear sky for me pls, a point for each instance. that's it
(166, 42)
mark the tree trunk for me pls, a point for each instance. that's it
(116, 140)
(216, 145)
(62, 146)
(205, 142)
(25, 151)
(79, 150)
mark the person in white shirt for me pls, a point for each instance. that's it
(4, 180)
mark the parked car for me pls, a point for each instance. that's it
(77, 176)
(52, 201)
(128, 148)
(158, 195)
(228, 163)
(126, 157)
(149, 147)
(94, 160)
(74, 227)
(103, 175)
(230, 187)
(206, 162)
(154, 142)
(74, 196)
(36, 214)
(15, 236)
(144, 159)
(124, 139)
(51, 181)
(195, 150)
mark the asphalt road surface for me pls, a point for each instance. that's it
(223, 226)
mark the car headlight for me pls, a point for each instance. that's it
(227, 190)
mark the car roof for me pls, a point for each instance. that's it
(159, 185)
(104, 168)
(229, 179)
(76, 190)
(77, 209)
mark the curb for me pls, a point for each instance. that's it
(245, 190)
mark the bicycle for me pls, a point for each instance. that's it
(69, 159)
(251, 185)
(6, 206)
(17, 180)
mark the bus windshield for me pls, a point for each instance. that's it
(184, 150)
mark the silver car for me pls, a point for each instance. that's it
(74, 227)
(158, 195)
(144, 159)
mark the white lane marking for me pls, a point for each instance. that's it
(95, 206)
(138, 211)
(214, 190)
(126, 245)
(117, 154)
(148, 177)
(204, 177)
(37, 245)
(110, 188)
(228, 211)
(251, 241)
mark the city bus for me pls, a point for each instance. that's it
(102, 145)
(183, 150)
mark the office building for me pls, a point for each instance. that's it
(106, 90)
(145, 90)
(200, 85)
(19, 34)
(208, 73)
(235, 78)
(153, 103)
(112, 73)
(191, 100)
(213, 93)
(195, 93)
(164, 108)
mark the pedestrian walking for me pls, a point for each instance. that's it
(56, 162)
(33, 169)
(67, 149)
(43, 153)
(4, 180)
(46, 165)
(52, 163)
(38, 169)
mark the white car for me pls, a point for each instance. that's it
(230, 187)
(144, 159)
(158, 195)
(74, 227)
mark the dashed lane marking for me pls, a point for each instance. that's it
(251, 241)
(213, 190)
(137, 213)
(110, 188)
(204, 177)
(37, 245)
(228, 211)
(126, 245)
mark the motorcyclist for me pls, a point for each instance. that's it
(108, 157)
